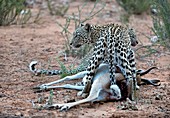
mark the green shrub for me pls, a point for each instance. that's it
(161, 21)
(56, 9)
(135, 6)
(10, 12)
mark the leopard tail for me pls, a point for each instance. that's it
(36, 71)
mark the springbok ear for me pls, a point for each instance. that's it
(87, 27)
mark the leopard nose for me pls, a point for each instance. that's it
(70, 43)
(136, 42)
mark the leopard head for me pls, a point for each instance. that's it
(81, 35)
(133, 38)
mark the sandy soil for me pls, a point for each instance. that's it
(19, 45)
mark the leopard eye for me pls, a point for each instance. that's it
(81, 24)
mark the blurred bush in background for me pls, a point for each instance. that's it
(161, 21)
(13, 12)
(57, 9)
(135, 6)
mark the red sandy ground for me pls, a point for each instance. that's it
(19, 45)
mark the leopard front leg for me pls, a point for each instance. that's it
(87, 80)
(112, 68)
(112, 62)
(98, 55)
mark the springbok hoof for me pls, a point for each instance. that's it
(84, 95)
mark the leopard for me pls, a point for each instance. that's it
(112, 45)
(81, 67)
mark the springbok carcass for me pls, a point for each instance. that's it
(100, 89)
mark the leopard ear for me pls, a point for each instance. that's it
(81, 24)
(87, 27)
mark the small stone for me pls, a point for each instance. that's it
(154, 39)
(134, 107)
(18, 113)
(2, 95)
(158, 97)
